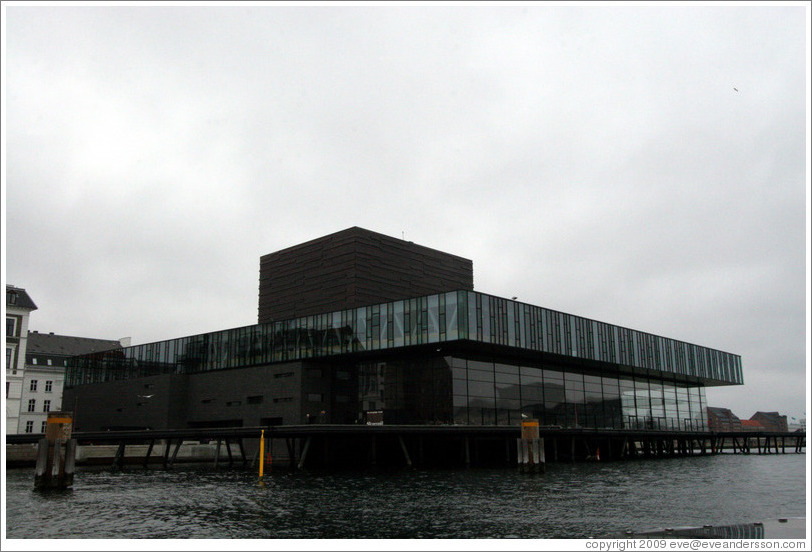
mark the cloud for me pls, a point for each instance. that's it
(594, 160)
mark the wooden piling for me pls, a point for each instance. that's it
(118, 459)
(304, 453)
(230, 456)
(405, 451)
(175, 454)
(290, 443)
(242, 452)
(373, 451)
(149, 451)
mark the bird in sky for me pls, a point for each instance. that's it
(146, 396)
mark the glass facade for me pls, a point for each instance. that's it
(485, 393)
(626, 378)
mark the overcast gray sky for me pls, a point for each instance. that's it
(592, 159)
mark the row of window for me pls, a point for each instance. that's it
(32, 405)
(29, 427)
(460, 315)
(49, 385)
(48, 361)
(467, 391)
(259, 399)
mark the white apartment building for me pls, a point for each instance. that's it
(43, 381)
(18, 309)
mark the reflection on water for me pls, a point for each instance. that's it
(569, 501)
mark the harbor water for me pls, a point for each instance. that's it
(582, 500)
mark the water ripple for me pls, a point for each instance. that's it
(569, 500)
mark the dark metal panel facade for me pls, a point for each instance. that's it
(353, 268)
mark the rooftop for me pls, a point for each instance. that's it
(66, 345)
(18, 298)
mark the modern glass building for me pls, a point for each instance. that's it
(459, 357)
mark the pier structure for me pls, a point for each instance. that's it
(336, 446)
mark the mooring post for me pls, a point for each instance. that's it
(530, 448)
(56, 455)
(261, 453)
(217, 453)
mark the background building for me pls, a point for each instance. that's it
(751, 425)
(44, 376)
(18, 309)
(446, 357)
(723, 419)
(772, 421)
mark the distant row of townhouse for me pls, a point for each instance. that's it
(35, 365)
(723, 419)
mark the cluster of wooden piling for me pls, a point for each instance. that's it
(56, 453)
(530, 448)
